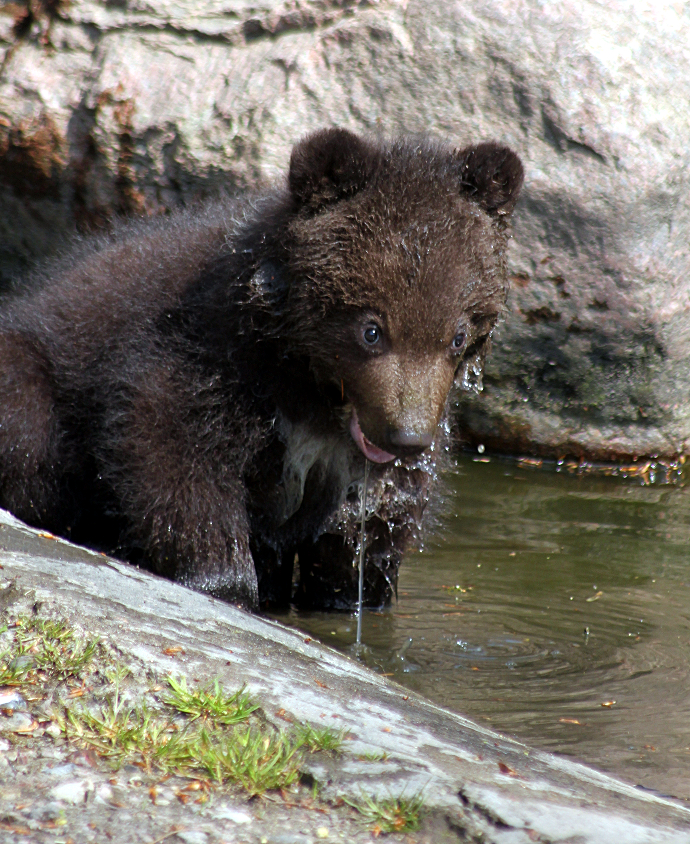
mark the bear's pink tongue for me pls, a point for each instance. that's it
(369, 450)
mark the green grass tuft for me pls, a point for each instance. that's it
(373, 756)
(201, 732)
(122, 733)
(391, 814)
(210, 743)
(44, 645)
(209, 703)
(320, 738)
(257, 759)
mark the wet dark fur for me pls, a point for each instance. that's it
(179, 392)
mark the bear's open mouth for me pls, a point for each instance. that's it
(368, 449)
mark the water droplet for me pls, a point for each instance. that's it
(471, 379)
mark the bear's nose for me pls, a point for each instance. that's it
(407, 441)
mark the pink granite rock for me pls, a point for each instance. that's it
(133, 107)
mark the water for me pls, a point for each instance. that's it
(556, 609)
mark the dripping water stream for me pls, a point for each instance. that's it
(362, 548)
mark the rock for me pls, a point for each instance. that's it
(227, 813)
(61, 771)
(53, 730)
(17, 722)
(11, 700)
(164, 797)
(287, 838)
(592, 357)
(21, 663)
(458, 765)
(104, 795)
(47, 811)
(71, 792)
(192, 836)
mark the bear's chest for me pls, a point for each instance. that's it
(319, 468)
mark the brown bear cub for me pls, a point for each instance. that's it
(198, 393)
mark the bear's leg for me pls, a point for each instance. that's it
(329, 569)
(33, 459)
(328, 574)
(175, 457)
(274, 571)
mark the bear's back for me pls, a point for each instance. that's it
(114, 291)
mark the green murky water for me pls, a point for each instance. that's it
(555, 608)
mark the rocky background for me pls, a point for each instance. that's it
(112, 107)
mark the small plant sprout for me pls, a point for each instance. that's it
(210, 702)
(116, 673)
(15, 662)
(256, 757)
(373, 756)
(320, 738)
(57, 648)
(44, 645)
(14, 668)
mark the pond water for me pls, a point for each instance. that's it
(555, 607)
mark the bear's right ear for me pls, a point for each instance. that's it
(491, 175)
(329, 165)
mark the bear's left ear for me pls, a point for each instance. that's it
(329, 165)
(491, 175)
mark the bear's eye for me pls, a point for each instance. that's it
(459, 341)
(371, 334)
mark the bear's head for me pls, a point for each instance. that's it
(396, 275)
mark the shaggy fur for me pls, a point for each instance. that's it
(197, 393)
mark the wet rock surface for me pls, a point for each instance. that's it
(117, 108)
(475, 784)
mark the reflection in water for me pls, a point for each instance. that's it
(557, 609)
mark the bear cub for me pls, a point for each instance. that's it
(198, 393)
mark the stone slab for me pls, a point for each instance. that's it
(483, 783)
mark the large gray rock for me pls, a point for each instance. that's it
(120, 107)
(483, 786)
